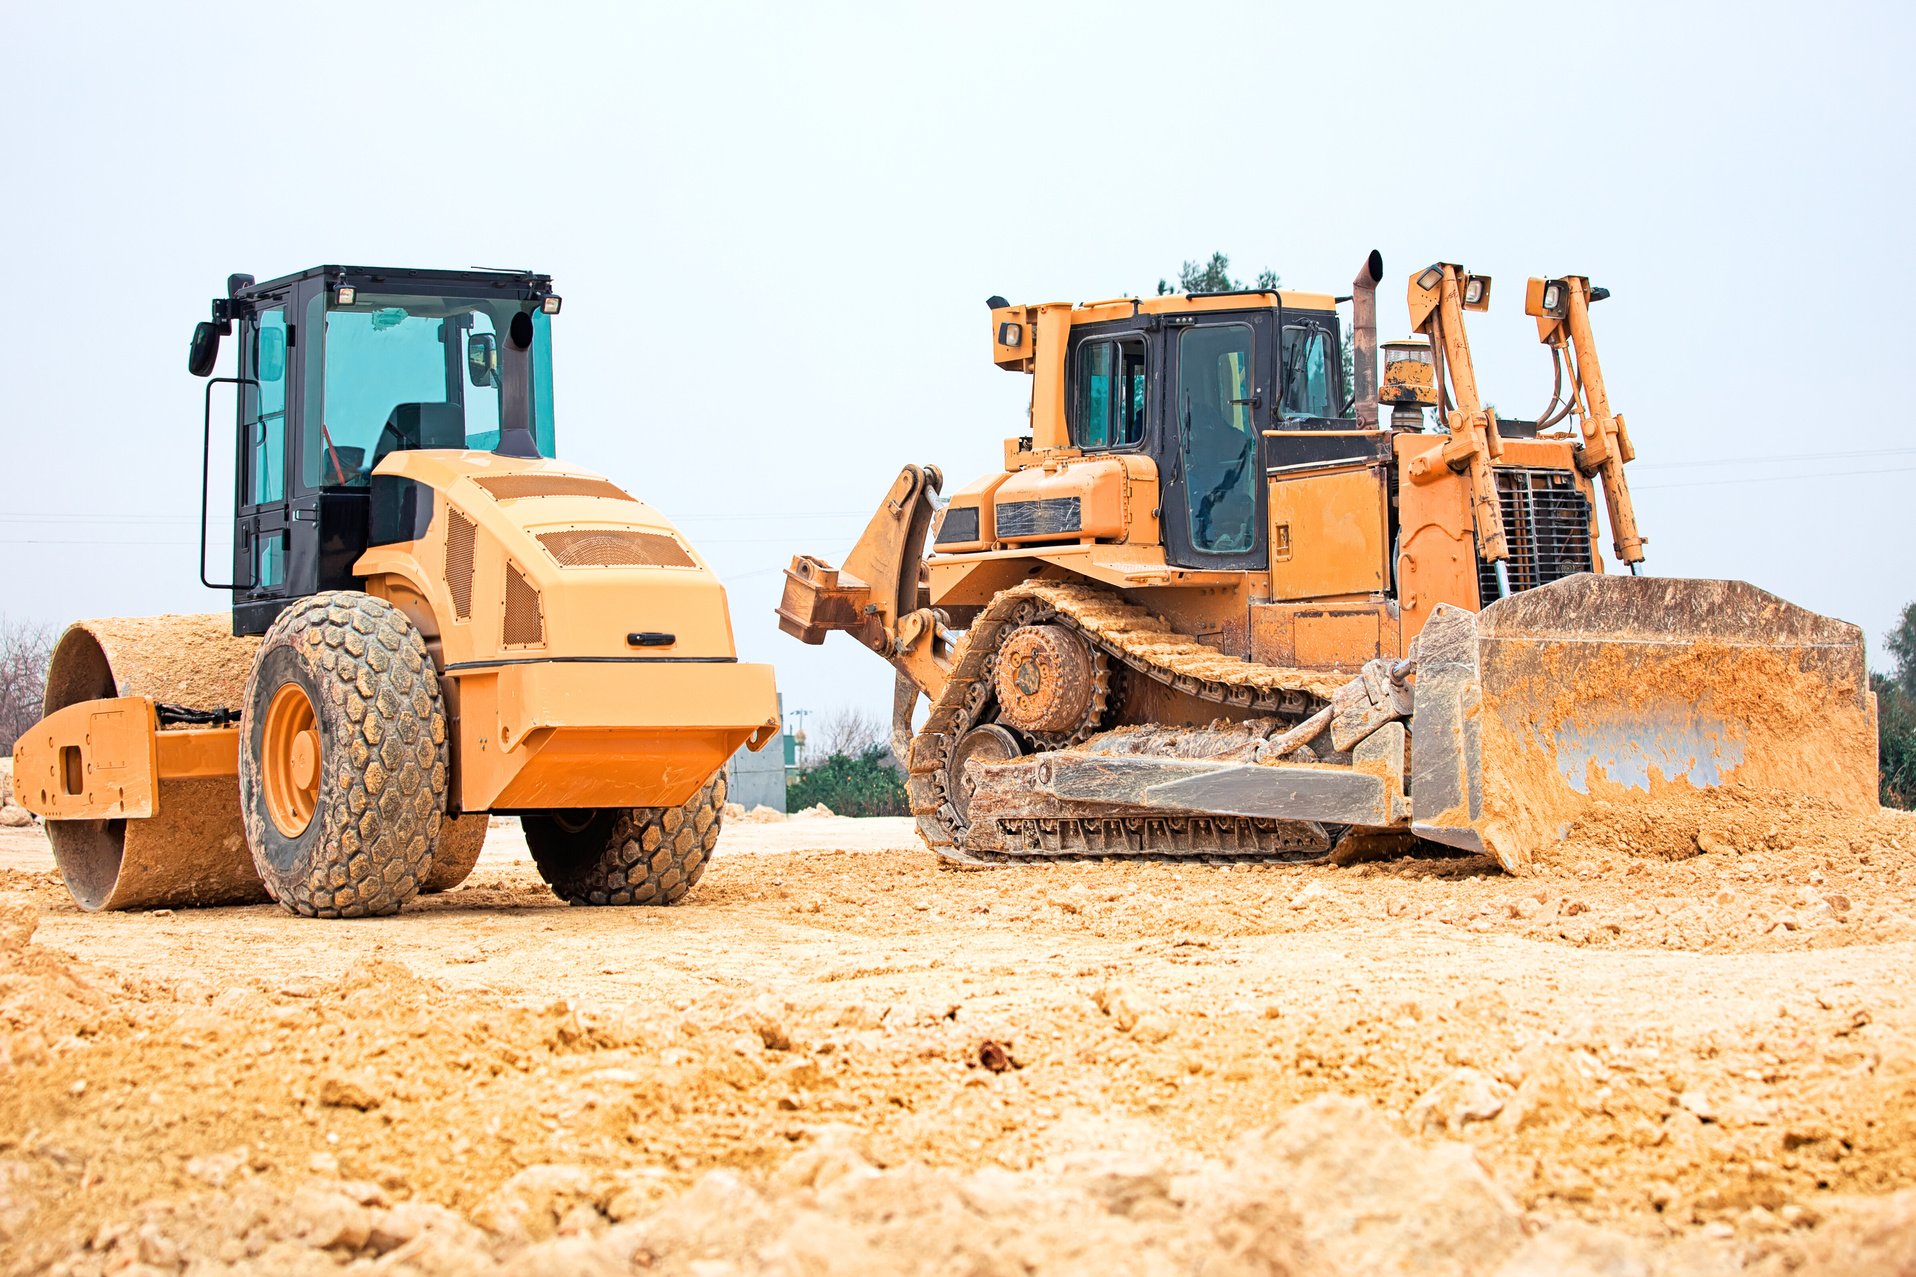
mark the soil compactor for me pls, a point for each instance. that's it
(1214, 606)
(432, 620)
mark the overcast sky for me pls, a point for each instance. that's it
(775, 228)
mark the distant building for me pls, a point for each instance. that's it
(758, 780)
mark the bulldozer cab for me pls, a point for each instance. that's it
(1216, 398)
(339, 367)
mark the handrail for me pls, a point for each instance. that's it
(206, 465)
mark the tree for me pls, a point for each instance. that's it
(25, 649)
(850, 732)
(1902, 646)
(1896, 717)
(1214, 276)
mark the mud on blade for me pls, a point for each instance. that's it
(1604, 688)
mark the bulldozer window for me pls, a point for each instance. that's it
(394, 352)
(1309, 389)
(1107, 403)
(1220, 436)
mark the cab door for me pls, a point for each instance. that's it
(1220, 397)
(263, 517)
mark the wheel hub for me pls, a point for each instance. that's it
(289, 760)
(1046, 680)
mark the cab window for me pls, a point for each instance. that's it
(1309, 386)
(265, 366)
(1215, 405)
(1107, 398)
(407, 371)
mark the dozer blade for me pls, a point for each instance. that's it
(1599, 689)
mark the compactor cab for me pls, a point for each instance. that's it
(1213, 604)
(339, 368)
(433, 619)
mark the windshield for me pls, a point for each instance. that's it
(416, 372)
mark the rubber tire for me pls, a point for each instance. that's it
(383, 757)
(461, 838)
(628, 856)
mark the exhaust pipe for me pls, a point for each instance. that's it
(1364, 340)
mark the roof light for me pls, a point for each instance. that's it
(345, 295)
(1431, 278)
(1474, 290)
(1552, 297)
(549, 303)
(1010, 334)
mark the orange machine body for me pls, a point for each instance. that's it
(584, 649)
(584, 646)
(1350, 530)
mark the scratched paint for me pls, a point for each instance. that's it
(1676, 743)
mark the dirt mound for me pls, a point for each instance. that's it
(46, 1001)
(12, 815)
(1330, 1189)
(1766, 829)
(856, 1061)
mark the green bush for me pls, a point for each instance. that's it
(863, 785)
(1896, 717)
(1895, 743)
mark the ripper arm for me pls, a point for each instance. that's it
(1562, 311)
(1439, 295)
(878, 597)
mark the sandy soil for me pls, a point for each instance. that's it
(838, 1057)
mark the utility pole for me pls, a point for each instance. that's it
(798, 737)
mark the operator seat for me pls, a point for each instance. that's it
(414, 426)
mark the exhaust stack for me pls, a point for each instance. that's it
(1364, 340)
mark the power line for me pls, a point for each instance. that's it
(1775, 460)
(22, 516)
(1772, 478)
(40, 541)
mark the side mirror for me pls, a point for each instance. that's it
(482, 359)
(272, 354)
(205, 350)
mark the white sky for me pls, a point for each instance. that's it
(775, 227)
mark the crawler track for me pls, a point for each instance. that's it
(1139, 645)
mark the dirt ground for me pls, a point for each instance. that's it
(836, 1056)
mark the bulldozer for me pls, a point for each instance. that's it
(432, 620)
(1217, 604)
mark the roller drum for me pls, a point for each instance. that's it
(192, 851)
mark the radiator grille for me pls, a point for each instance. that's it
(1051, 516)
(615, 548)
(461, 535)
(525, 624)
(960, 525)
(1547, 525)
(517, 487)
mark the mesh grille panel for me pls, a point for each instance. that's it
(615, 548)
(517, 487)
(461, 535)
(1051, 516)
(960, 525)
(524, 624)
(1547, 524)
